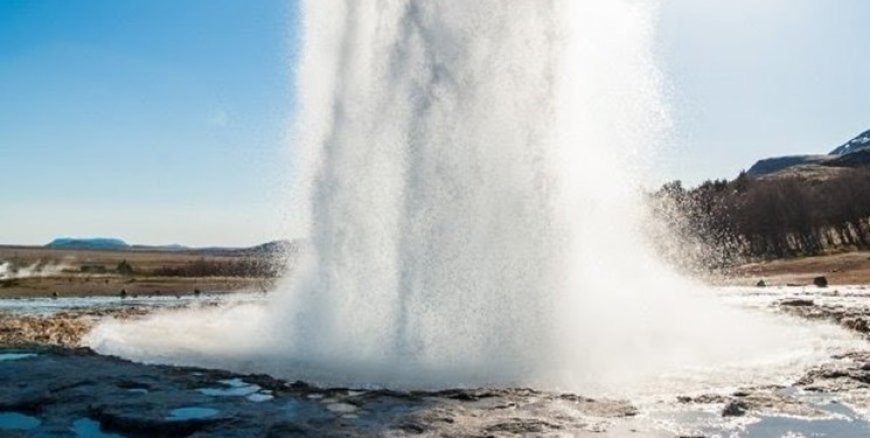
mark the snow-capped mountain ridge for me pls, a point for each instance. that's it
(862, 141)
(839, 157)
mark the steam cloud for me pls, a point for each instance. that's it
(8, 271)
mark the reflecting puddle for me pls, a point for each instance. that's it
(87, 428)
(18, 421)
(191, 413)
(238, 388)
(49, 306)
(845, 422)
(15, 356)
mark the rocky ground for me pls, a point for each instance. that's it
(832, 306)
(62, 329)
(53, 388)
(58, 387)
(63, 322)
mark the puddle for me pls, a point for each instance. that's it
(15, 356)
(292, 407)
(782, 426)
(141, 391)
(260, 397)
(50, 306)
(238, 388)
(341, 408)
(232, 387)
(841, 421)
(18, 421)
(191, 413)
(87, 428)
(846, 423)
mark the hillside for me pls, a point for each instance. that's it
(853, 153)
(768, 166)
(782, 207)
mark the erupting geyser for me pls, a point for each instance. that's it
(472, 168)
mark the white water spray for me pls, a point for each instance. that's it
(475, 220)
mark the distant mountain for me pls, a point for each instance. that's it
(108, 243)
(854, 153)
(858, 158)
(91, 243)
(277, 247)
(776, 164)
(861, 142)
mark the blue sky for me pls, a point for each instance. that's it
(164, 121)
(755, 78)
(156, 121)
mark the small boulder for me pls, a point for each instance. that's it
(761, 283)
(797, 302)
(858, 324)
(736, 408)
(821, 281)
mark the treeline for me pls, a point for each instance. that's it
(721, 222)
(237, 267)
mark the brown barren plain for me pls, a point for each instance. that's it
(61, 272)
(850, 268)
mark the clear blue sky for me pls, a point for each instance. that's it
(152, 120)
(755, 78)
(166, 121)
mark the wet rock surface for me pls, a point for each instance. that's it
(773, 401)
(52, 388)
(851, 311)
(60, 386)
(58, 390)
